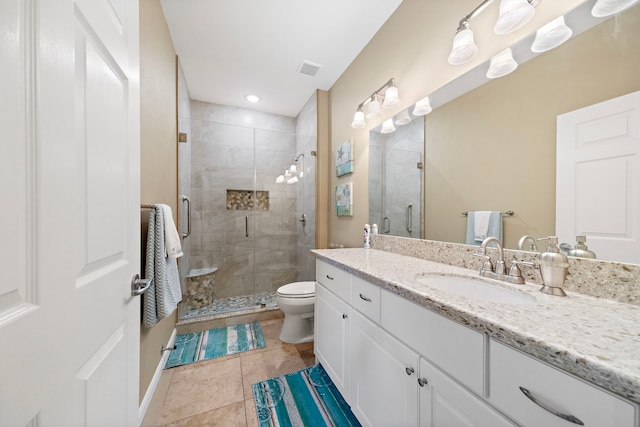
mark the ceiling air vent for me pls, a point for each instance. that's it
(308, 68)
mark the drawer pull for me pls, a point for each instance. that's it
(423, 382)
(362, 297)
(329, 277)
(548, 408)
(409, 370)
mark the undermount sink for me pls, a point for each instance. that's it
(476, 288)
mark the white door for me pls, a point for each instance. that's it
(69, 112)
(598, 178)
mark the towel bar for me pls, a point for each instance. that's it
(507, 213)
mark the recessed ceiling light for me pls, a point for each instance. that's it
(253, 98)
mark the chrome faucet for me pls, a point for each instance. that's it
(532, 246)
(500, 271)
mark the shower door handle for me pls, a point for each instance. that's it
(386, 225)
(186, 199)
(409, 219)
(246, 226)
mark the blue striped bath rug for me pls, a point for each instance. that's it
(303, 398)
(205, 345)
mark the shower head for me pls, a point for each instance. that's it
(298, 156)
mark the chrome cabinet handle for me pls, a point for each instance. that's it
(329, 277)
(423, 382)
(186, 199)
(409, 370)
(409, 218)
(550, 409)
(362, 297)
(139, 286)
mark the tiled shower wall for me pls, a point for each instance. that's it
(224, 157)
(306, 142)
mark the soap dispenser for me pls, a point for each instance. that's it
(581, 250)
(554, 267)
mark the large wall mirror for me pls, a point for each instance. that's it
(491, 144)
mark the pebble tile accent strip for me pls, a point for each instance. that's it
(243, 200)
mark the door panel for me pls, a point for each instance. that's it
(70, 165)
(598, 177)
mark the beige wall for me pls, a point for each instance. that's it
(412, 46)
(158, 151)
(495, 147)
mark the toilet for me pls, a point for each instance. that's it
(296, 300)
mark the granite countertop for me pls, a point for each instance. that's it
(595, 339)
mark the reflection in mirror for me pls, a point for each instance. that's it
(396, 177)
(492, 145)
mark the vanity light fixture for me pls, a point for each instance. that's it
(514, 14)
(358, 120)
(604, 8)
(422, 107)
(374, 111)
(501, 64)
(291, 174)
(403, 118)
(388, 93)
(551, 35)
(387, 126)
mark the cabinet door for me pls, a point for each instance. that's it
(384, 387)
(444, 403)
(332, 337)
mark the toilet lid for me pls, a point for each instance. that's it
(298, 289)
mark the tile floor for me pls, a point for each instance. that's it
(218, 392)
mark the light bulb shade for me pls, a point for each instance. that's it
(301, 174)
(387, 126)
(287, 173)
(391, 98)
(292, 180)
(280, 179)
(358, 120)
(293, 170)
(422, 107)
(551, 35)
(374, 109)
(403, 118)
(502, 64)
(604, 8)
(514, 14)
(464, 48)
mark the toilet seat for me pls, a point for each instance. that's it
(297, 290)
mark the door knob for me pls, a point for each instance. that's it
(139, 286)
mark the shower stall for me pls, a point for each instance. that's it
(247, 238)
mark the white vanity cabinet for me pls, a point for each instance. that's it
(384, 373)
(332, 314)
(444, 402)
(536, 394)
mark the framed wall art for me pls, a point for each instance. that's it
(344, 158)
(344, 199)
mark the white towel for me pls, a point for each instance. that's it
(171, 237)
(481, 224)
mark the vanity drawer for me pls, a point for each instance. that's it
(336, 280)
(365, 298)
(453, 348)
(512, 371)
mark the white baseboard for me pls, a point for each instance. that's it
(142, 411)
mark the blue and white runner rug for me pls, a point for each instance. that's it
(204, 345)
(304, 398)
